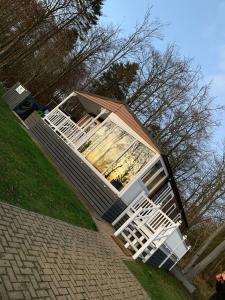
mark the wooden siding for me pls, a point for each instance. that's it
(105, 202)
(84, 119)
(114, 211)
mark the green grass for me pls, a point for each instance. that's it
(159, 284)
(29, 180)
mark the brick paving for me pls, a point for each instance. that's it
(43, 258)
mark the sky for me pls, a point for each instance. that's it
(196, 27)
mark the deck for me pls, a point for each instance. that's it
(83, 179)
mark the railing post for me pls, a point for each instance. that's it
(125, 224)
(172, 252)
(61, 103)
(127, 209)
(146, 218)
(188, 248)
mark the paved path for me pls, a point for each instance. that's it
(43, 258)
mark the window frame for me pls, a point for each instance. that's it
(118, 122)
(163, 168)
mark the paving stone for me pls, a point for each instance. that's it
(42, 293)
(43, 258)
(15, 295)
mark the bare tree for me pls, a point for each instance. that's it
(206, 260)
(79, 15)
(98, 40)
(207, 190)
(125, 48)
(203, 247)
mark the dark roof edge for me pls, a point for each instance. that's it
(175, 189)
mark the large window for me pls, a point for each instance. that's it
(154, 177)
(116, 154)
(96, 139)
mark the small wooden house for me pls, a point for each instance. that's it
(114, 163)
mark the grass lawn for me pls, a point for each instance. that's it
(29, 180)
(159, 284)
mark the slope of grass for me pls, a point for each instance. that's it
(159, 284)
(29, 180)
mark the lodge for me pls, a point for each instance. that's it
(114, 163)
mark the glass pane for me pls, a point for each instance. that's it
(96, 138)
(155, 181)
(110, 149)
(153, 170)
(125, 168)
(73, 108)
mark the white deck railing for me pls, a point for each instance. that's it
(147, 228)
(62, 124)
(68, 130)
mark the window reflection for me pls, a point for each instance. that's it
(111, 149)
(156, 180)
(116, 154)
(125, 168)
(95, 139)
(153, 170)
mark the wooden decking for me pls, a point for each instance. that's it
(104, 201)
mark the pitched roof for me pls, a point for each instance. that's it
(123, 112)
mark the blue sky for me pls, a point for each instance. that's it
(196, 27)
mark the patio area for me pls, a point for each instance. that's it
(44, 258)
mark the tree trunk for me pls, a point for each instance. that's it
(203, 248)
(206, 261)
